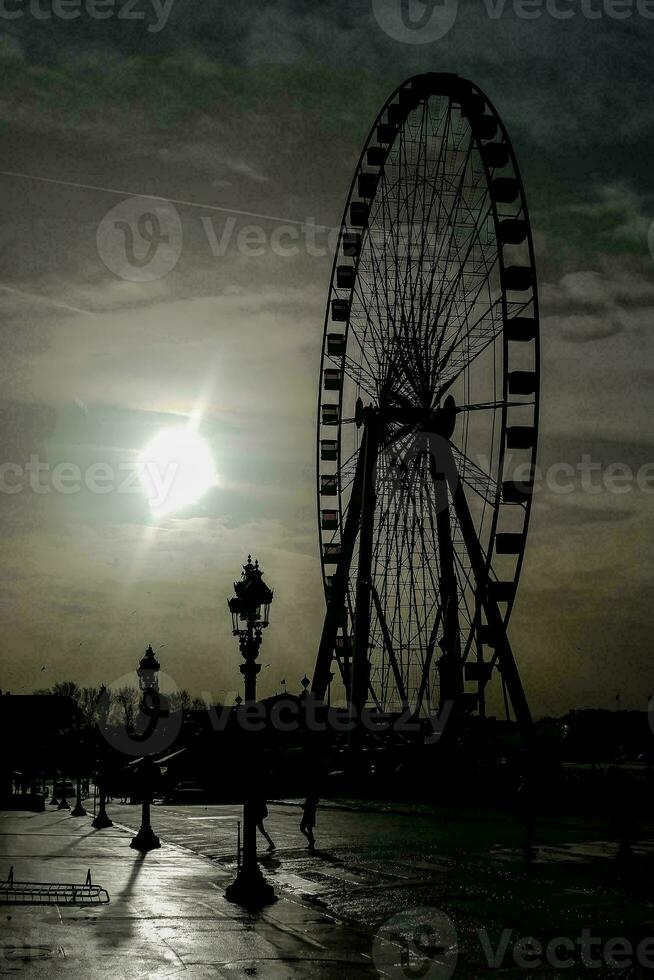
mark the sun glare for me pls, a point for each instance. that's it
(177, 468)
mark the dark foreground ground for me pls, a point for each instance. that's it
(398, 894)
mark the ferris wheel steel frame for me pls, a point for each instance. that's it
(415, 567)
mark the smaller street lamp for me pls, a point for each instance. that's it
(78, 810)
(101, 820)
(80, 735)
(148, 674)
(250, 609)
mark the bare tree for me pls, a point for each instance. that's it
(63, 689)
(180, 700)
(88, 704)
(127, 700)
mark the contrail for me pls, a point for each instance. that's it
(46, 299)
(167, 200)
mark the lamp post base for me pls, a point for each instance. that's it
(78, 810)
(145, 840)
(63, 805)
(250, 890)
(102, 821)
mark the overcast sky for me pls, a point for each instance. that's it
(263, 107)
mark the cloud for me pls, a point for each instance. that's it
(591, 305)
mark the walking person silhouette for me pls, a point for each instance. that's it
(308, 821)
(260, 814)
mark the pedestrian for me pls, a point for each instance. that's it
(623, 812)
(260, 814)
(308, 821)
(526, 813)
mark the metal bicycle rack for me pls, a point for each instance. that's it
(49, 893)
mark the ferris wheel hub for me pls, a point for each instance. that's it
(439, 421)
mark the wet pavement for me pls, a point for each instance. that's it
(379, 883)
(167, 914)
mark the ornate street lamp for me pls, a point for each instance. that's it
(250, 609)
(148, 671)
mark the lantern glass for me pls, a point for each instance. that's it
(147, 680)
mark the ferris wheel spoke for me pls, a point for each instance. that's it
(407, 327)
(370, 367)
(447, 300)
(443, 218)
(452, 296)
(360, 375)
(375, 325)
(475, 476)
(383, 277)
(446, 240)
(430, 228)
(410, 282)
(469, 347)
(462, 260)
(490, 406)
(371, 279)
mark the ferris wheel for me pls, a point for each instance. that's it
(428, 409)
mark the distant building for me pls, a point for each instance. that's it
(32, 727)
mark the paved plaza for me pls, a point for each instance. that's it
(167, 915)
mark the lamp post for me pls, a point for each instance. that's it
(101, 819)
(250, 609)
(80, 740)
(148, 670)
(78, 810)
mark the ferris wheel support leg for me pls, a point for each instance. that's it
(360, 663)
(451, 667)
(335, 613)
(388, 643)
(505, 657)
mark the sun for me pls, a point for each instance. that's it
(176, 469)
